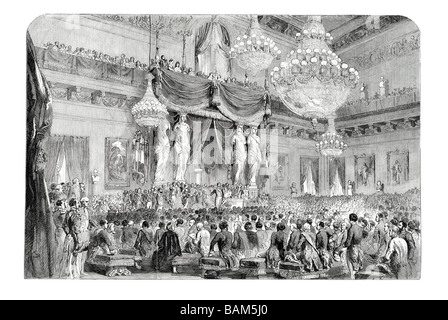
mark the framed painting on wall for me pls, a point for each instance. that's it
(364, 173)
(309, 175)
(337, 176)
(280, 178)
(397, 167)
(116, 165)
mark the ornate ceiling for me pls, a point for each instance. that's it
(346, 29)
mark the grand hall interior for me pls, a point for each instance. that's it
(223, 147)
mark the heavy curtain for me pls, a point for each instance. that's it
(40, 241)
(182, 93)
(76, 153)
(309, 178)
(200, 132)
(77, 158)
(211, 49)
(337, 177)
(54, 157)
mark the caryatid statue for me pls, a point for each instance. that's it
(182, 146)
(162, 151)
(239, 153)
(254, 155)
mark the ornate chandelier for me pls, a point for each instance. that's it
(148, 112)
(253, 51)
(331, 143)
(313, 81)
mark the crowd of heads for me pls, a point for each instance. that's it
(301, 212)
(169, 64)
(179, 203)
(64, 191)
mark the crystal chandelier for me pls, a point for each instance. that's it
(253, 51)
(148, 112)
(331, 144)
(313, 81)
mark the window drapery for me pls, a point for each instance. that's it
(212, 45)
(75, 150)
(54, 152)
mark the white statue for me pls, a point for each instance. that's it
(95, 177)
(182, 147)
(240, 154)
(384, 87)
(363, 92)
(95, 180)
(162, 150)
(254, 155)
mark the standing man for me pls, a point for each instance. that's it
(219, 195)
(397, 254)
(84, 235)
(407, 236)
(355, 255)
(379, 235)
(322, 246)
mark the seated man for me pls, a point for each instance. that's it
(168, 249)
(337, 241)
(128, 236)
(245, 243)
(102, 242)
(202, 240)
(264, 239)
(308, 252)
(144, 242)
(223, 240)
(276, 251)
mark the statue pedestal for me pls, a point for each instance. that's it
(253, 192)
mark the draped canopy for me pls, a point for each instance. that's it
(183, 93)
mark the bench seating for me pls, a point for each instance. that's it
(186, 260)
(252, 267)
(113, 265)
(290, 270)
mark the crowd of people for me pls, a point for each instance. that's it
(380, 231)
(169, 64)
(173, 196)
(132, 63)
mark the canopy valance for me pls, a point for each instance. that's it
(184, 93)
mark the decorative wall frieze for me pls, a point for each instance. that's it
(388, 52)
(380, 127)
(366, 30)
(96, 97)
(279, 25)
(169, 25)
